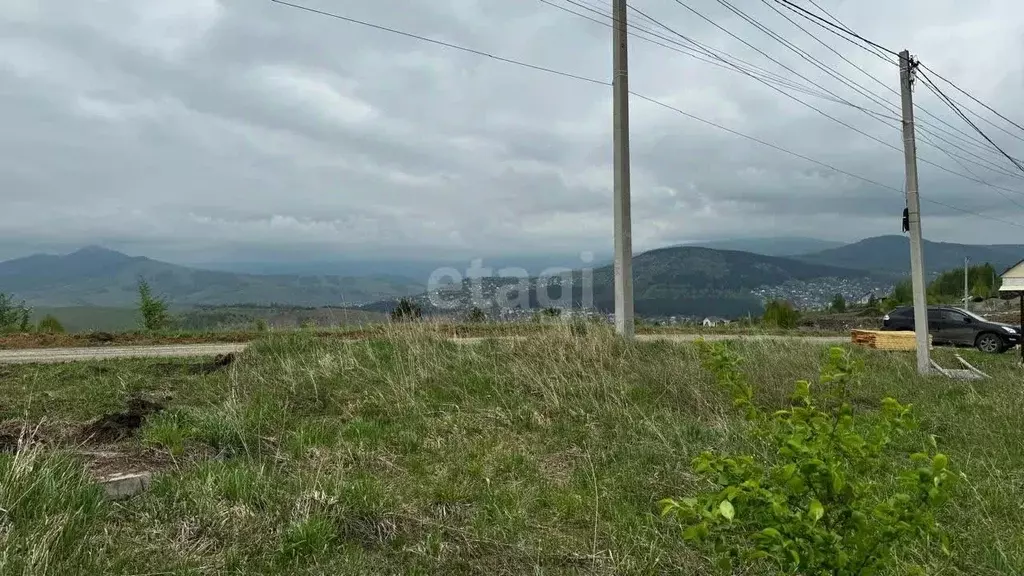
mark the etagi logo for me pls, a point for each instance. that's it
(511, 287)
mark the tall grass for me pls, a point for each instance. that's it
(413, 454)
(49, 514)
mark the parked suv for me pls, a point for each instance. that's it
(955, 326)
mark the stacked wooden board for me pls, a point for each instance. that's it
(886, 339)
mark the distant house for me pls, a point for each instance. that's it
(712, 321)
(1013, 279)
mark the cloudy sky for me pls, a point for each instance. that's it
(204, 129)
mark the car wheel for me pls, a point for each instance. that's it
(989, 343)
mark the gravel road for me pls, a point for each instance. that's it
(53, 355)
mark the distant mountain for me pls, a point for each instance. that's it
(95, 276)
(683, 281)
(891, 254)
(780, 246)
(385, 267)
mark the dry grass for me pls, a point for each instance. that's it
(409, 454)
(436, 329)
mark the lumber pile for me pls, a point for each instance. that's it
(886, 340)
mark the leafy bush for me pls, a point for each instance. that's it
(50, 325)
(406, 310)
(838, 304)
(153, 309)
(820, 500)
(781, 314)
(14, 317)
(476, 315)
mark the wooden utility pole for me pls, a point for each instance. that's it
(623, 225)
(907, 69)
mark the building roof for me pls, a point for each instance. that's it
(1013, 278)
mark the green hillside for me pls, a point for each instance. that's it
(682, 280)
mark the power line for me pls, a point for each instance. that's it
(806, 56)
(829, 116)
(838, 24)
(975, 178)
(842, 29)
(965, 93)
(876, 79)
(751, 46)
(639, 96)
(438, 42)
(700, 53)
(772, 77)
(928, 82)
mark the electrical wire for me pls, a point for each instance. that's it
(885, 85)
(829, 116)
(641, 97)
(838, 25)
(842, 29)
(965, 93)
(725, 61)
(931, 85)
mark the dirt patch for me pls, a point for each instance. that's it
(116, 460)
(194, 368)
(8, 443)
(118, 426)
(100, 337)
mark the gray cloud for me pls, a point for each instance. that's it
(211, 126)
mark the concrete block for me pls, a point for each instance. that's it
(121, 486)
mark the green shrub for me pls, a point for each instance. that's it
(476, 315)
(153, 309)
(50, 325)
(819, 499)
(14, 317)
(838, 304)
(406, 310)
(781, 314)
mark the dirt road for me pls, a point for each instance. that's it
(53, 355)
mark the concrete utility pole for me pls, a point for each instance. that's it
(623, 225)
(966, 292)
(907, 68)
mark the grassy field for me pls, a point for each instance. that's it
(408, 454)
(205, 319)
(378, 330)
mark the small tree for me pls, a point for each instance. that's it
(781, 314)
(14, 317)
(153, 309)
(902, 293)
(406, 311)
(838, 304)
(50, 325)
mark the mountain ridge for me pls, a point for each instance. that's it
(891, 254)
(97, 276)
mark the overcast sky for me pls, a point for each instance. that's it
(205, 129)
